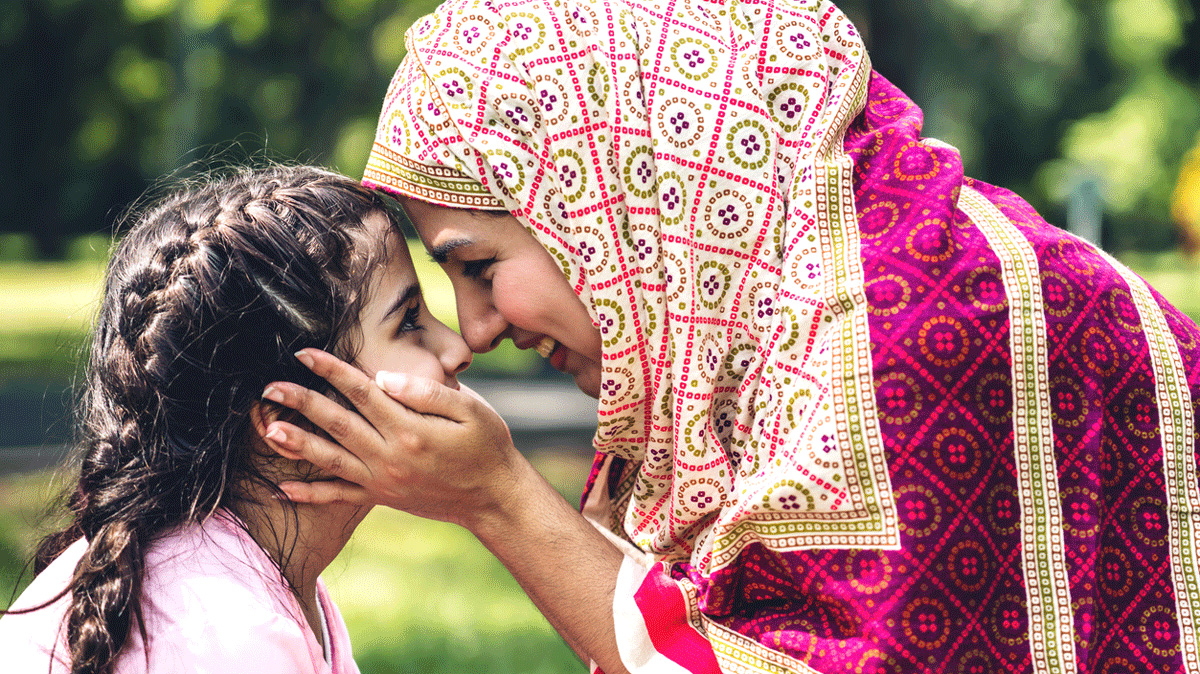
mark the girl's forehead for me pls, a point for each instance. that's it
(395, 256)
(389, 280)
(386, 254)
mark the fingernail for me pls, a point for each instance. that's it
(303, 357)
(288, 491)
(276, 434)
(273, 394)
(391, 382)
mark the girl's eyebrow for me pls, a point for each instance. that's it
(441, 252)
(412, 291)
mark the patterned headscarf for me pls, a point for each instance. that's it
(683, 162)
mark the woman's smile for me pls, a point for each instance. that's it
(507, 286)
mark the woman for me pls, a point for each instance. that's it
(857, 411)
(180, 556)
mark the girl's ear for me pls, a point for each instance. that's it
(261, 416)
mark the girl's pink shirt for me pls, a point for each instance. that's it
(213, 602)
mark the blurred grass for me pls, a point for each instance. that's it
(26, 503)
(1172, 274)
(417, 595)
(45, 308)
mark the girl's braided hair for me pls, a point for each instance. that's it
(206, 299)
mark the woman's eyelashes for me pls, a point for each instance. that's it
(475, 269)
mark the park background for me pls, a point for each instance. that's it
(1090, 109)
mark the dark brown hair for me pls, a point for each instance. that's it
(206, 298)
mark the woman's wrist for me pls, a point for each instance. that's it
(566, 566)
(520, 495)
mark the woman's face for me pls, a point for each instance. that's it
(507, 286)
(398, 332)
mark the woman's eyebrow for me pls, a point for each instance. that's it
(441, 252)
(412, 291)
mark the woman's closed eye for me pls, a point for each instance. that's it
(475, 269)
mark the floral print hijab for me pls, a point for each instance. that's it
(691, 181)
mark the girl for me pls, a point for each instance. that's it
(179, 559)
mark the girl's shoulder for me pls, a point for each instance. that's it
(212, 596)
(211, 599)
(30, 640)
(205, 562)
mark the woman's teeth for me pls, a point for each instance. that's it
(546, 347)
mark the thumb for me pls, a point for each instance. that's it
(423, 396)
(324, 492)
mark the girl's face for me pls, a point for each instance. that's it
(507, 286)
(398, 332)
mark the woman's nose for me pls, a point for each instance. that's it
(453, 352)
(482, 326)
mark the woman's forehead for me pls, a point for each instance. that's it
(439, 226)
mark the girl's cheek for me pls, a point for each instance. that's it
(421, 363)
(433, 370)
(406, 358)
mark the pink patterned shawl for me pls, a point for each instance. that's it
(859, 411)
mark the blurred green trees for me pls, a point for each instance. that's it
(100, 97)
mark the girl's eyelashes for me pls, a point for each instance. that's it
(474, 269)
(411, 320)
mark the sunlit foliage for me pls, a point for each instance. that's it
(1040, 95)
(100, 98)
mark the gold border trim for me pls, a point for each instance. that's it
(1043, 551)
(1180, 480)
(434, 184)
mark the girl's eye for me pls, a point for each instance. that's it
(410, 322)
(474, 269)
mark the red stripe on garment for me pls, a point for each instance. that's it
(665, 612)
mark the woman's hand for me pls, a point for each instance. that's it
(420, 447)
(445, 454)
